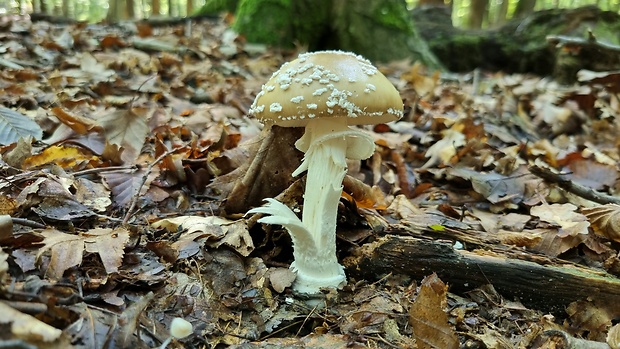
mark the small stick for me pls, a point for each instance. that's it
(149, 168)
(565, 183)
(27, 223)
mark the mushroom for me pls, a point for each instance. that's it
(179, 329)
(324, 92)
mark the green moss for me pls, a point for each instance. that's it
(265, 21)
(393, 14)
(282, 23)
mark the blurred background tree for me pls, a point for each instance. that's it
(472, 14)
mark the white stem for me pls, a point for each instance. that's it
(166, 342)
(327, 144)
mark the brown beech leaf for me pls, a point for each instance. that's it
(67, 249)
(591, 174)
(422, 84)
(570, 223)
(604, 220)
(128, 129)
(428, 319)
(124, 185)
(212, 230)
(613, 337)
(66, 252)
(443, 150)
(551, 244)
(589, 318)
(109, 244)
(78, 124)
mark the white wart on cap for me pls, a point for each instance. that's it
(327, 84)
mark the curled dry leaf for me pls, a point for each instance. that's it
(604, 220)
(613, 337)
(27, 327)
(428, 319)
(569, 222)
(281, 278)
(214, 231)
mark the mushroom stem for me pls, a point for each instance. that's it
(327, 145)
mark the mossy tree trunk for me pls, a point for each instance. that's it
(380, 30)
(521, 45)
(283, 23)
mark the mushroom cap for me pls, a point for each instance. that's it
(327, 84)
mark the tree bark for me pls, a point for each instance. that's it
(65, 8)
(189, 7)
(155, 8)
(524, 8)
(130, 9)
(477, 13)
(380, 30)
(502, 13)
(171, 8)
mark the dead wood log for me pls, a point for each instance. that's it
(549, 288)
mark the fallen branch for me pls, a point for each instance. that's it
(565, 183)
(549, 288)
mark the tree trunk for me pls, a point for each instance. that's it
(171, 8)
(65, 8)
(189, 7)
(130, 9)
(524, 8)
(155, 8)
(57, 9)
(380, 30)
(502, 13)
(111, 15)
(477, 13)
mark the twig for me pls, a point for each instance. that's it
(565, 183)
(105, 169)
(148, 170)
(27, 223)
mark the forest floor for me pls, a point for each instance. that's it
(485, 219)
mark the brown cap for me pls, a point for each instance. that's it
(327, 84)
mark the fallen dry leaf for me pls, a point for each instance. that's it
(66, 250)
(27, 327)
(604, 220)
(428, 318)
(570, 223)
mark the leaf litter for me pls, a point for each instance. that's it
(125, 185)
